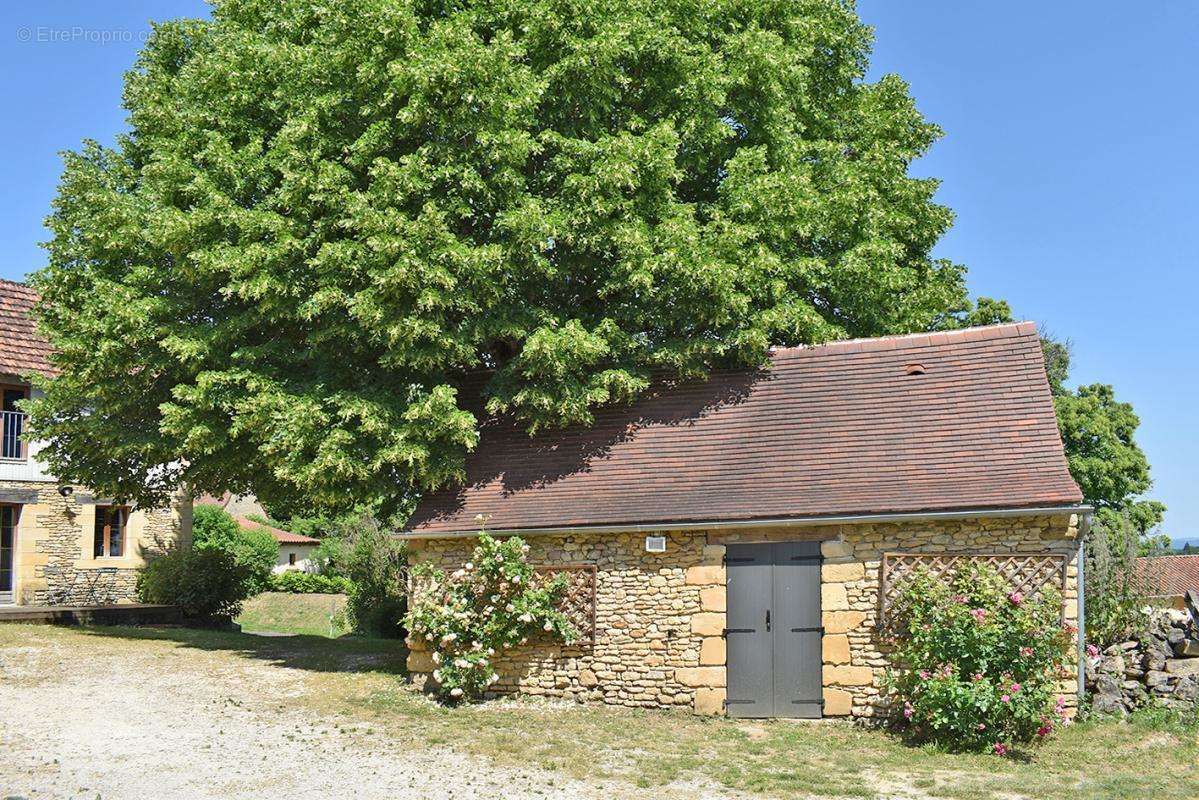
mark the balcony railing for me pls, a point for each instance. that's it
(12, 441)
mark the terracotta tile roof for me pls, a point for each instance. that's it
(281, 536)
(830, 430)
(1167, 576)
(22, 348)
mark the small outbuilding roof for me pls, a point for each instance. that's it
(949, 421)
(281, 536)
(22, 348)
(1168, 576)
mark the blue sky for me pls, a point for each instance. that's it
(1070, 158)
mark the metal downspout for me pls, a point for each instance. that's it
(1083, 530)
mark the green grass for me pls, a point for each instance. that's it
(308, 614)
(358, 684)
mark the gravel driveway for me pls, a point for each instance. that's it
(94, 717)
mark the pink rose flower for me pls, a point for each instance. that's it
(923, 674)
(1015, 688)
(1016, 598)
(1092, 651)
(982, 726)
(1026, 651)
(1007, 698)
(1000, 749)
(908, 710)
(979, 614)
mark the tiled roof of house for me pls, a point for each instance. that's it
(1167, 576)
(22, 348)
(932, 422)
(281, 536)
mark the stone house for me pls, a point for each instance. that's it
(59, 543)
(733, 544)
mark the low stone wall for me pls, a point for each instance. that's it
(1159, 665)
(54, 560)
(660, 617)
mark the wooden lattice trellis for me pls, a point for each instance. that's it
(1028, 574)
(578, 604)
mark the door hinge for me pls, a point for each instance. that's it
(808, 630)
(727, 631)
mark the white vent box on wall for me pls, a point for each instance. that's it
(655, 544)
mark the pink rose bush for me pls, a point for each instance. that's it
(471, 616)
(976, 665)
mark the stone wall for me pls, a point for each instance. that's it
(54, 560)
(660, 616)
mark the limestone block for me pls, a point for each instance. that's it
(842, 573)
(707, 624)
(587, 679)
(835, 648)
(833, 597)
(709, 701)
(705, 575)
(712, 598)
(712, 651)
(700, 676)
(713, 555)
(837, 703)
(841, 621)
(420, 661)
(834, 548)
(848, 676)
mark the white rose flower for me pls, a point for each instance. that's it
(516, 579)
(476, 646)
(455, 692)
(437, 675)
(491, 651)
(524, 640)
(437, 658)
(509, 608)
(461, 663)
(469, 566)
(526, 617)
(547, 627)
(449, 637)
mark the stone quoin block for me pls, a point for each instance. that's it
(712, 598)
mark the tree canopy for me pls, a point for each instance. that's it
(326, 219)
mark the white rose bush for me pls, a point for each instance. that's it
(471, 616)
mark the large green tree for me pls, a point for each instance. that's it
(325, 216)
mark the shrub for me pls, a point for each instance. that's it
(331, 556)
(377, 567)
(208, 584)
(1115, 594)
(490, 605)
(975, 666)
(256, 550)
(297, 582)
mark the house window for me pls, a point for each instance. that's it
(12, 445)
(110, 531)
(8, 535)
(291, 559)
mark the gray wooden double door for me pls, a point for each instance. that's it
(774, 630)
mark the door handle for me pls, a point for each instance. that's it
(768, 620)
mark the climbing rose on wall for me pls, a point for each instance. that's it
(976, 666)
(490, 605)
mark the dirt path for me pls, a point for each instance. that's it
(116, 719)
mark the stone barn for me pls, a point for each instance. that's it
(732, 545)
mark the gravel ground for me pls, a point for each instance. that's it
(125, 719)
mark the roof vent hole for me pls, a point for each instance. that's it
(914, 369)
